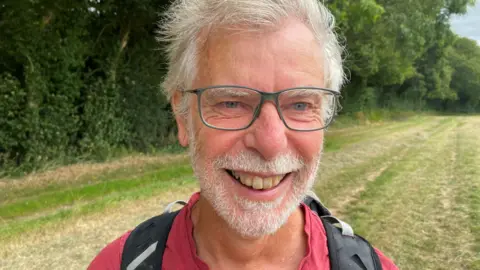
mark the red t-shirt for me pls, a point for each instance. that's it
(181, 252)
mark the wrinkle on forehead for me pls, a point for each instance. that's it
(266, 60)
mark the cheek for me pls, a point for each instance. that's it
(308, 144)
(215, 143)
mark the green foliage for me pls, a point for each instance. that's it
(79, 80)
(464, 57)
(397, 53)
(12, 100)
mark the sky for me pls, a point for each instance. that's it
(468, 25)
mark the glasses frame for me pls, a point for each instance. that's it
(264, 96)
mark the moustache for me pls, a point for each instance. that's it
(252, 162)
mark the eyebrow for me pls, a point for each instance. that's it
(305, 92)
(229, 91)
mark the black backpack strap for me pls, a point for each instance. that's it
(315, 204)
(346, 250)
(146, 243)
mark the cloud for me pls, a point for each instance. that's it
(468, 25)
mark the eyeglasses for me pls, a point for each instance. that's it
(229, 107)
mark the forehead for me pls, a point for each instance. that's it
(285, 57)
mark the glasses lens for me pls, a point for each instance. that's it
(307, 109)
(228, 107)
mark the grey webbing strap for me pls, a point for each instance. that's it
(168, 208)
(142, 257)
(345, 227)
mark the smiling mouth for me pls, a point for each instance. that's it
(256, 182)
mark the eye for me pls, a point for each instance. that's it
(300, 106)
(230, 104)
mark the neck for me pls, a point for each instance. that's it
(223, 248)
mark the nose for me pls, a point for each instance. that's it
(268, 133)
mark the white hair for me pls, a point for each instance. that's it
(186, 19)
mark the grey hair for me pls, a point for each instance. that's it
(186, 19)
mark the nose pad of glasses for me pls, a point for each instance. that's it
(273, 97)
(274, 101)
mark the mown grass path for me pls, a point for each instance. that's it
(423, 208)
(412, 188)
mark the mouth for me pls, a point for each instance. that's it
(257, 182)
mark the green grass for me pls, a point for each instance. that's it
(13, 228)
(68, 196)
(8, 196)
(373, 116)
(335, 140)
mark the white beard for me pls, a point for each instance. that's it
(251, 219)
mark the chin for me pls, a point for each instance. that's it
(260, 221)
(249, 218)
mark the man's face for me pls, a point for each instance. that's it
(281, 162)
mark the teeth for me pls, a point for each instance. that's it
(248, 181)
(257, 182)
(267, 183)
(276, 180)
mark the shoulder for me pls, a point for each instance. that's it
(387, 264)
(110, 257)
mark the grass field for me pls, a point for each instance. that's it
(411, 187)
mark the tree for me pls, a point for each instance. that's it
(464, 57)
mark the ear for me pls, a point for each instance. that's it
(181, 121)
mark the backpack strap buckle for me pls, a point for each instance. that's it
(168, 208)
(345, 228)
